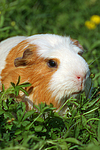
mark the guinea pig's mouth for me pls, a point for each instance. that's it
(76, 93)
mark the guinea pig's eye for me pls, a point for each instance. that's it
(52, 63)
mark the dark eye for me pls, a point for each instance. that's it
(52, 64)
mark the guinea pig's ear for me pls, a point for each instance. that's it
(24, 60)
(76, 42)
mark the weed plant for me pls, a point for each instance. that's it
(42, 128)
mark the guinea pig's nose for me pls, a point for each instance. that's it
(81, 77)
(81, 81)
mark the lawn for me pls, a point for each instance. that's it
(79, 129)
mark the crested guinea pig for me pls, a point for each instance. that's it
(51, 63)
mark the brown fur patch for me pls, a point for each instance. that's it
(35, 71)
(25, 59)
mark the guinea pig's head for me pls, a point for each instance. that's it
(57, 70)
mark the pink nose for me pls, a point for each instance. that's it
(80, 79)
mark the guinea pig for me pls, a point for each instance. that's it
(53, 65)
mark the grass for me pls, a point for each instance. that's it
(79, 129)
(45, 129)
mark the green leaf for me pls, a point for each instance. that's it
(25, 123)
(38, 128)
(91, 146)
(28, 114)
(94, 45)
(16, 91)
(73, 140)
(5, 105)
(26, 84)
(12, 84)
(40, 119)
(18, 131)
(20, 115)
(18, 80)
(8, 115)
(83, 120)
(24, 91)
(77, 131)
(1, 21)
(3, 88)
(54, 136)
(2, 112)
(5, 28)
(99, 131)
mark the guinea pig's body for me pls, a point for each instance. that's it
(51, 63)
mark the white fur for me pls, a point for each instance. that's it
(49, 44)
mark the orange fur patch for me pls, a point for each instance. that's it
(35, 71)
